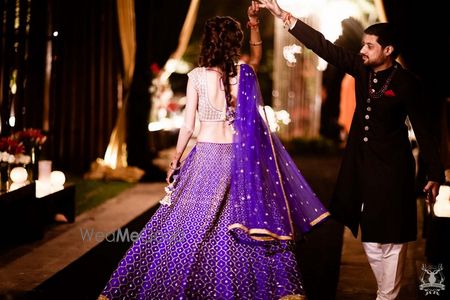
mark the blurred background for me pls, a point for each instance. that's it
(104, 79)
(98, 89)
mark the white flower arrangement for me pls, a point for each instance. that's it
(289, 54)
(7, 157)
(274, 118)
(21, 159)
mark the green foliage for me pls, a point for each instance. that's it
(91, 193)
(307, 146)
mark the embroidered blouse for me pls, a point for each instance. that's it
(206, 111)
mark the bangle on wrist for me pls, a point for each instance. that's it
(255, 43)
(253, 25)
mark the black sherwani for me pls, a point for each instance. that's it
(378, 168)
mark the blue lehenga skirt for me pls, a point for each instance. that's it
(186, 251)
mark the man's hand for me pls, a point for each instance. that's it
(272, 6)
(432, 191)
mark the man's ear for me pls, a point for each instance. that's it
(388, 50)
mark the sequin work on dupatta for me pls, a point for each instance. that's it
(270, 198)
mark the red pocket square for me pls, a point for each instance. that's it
(389, 93)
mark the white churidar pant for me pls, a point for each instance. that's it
(387, 262)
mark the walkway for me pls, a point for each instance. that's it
(65, 266)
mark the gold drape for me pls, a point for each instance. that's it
(114, 166)
(186, 31)
(116, 153)
(380, 10)
(183, 41)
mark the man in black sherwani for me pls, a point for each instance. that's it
(375, 186)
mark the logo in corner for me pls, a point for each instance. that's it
(432, 279)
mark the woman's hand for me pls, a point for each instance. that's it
(169, 175)
(173, 167)
(253, 12)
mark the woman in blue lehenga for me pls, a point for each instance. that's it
(228, 227)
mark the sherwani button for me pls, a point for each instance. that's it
(365, 139)
(367, 117)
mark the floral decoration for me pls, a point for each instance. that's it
(389, 93)
(11, 145)
(31, 137)
(16, 148)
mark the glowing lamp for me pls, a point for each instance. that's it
(57, 178)
(18, 175)
(442, 205)
(45, 168)
(43, 188)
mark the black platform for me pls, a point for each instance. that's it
(23, 217)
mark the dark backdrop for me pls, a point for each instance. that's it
(85, 67)
(425, 35)
(86, 63)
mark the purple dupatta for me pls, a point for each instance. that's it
(270, 199)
